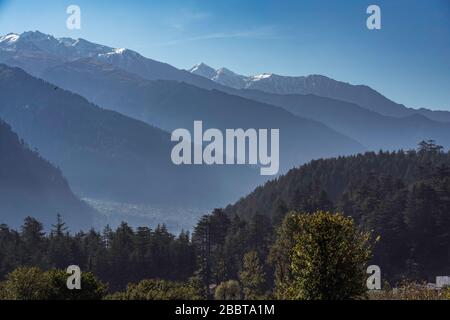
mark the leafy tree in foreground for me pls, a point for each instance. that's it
(228, 290)
(327, 255)
(30, 283)
(25, 283)
(157, 290)
(279, 256)
(91, 288)
(252, 277)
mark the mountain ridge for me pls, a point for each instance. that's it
(171, 105)
(319, 85)
(30, 185)
(374, 130)
(154, 70)
(81, 138)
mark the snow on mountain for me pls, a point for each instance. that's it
(229, 78)
(261, 76)
(37, 52)
(318, 85)
(34, 43)
(65, 48)
(123, 58)
(223, 76)
(268, 81)
(203, 70)
(9, 38)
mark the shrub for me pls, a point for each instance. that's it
(150, 289)
(228, 290)
(29, 283)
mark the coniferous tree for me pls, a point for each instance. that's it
(252, 277)
(59, 245)
(34, 243)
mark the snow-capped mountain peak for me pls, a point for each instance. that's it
(222, 75)
(227, 72)
(200, 66)
(124, 52)
(37, 52)
(63, 48)
(35, 35)
(269, 82)
(229, 78)
(116, 51)
(9, 38)
(203, 70)
(261, 76)
(119, 50)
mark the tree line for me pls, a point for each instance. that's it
(299, 268)
(403, 197)
(117, 257)
(281, 241)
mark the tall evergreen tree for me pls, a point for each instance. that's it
(252, 277)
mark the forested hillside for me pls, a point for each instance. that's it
(400, 200)
(404, 197)
(30, 184)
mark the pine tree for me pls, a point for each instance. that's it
(59, 245)
(141, 257)
(202, 242)
(252, 277)
(34, 242)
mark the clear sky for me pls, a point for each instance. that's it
(408, 60)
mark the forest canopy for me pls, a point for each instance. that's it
(400, 200)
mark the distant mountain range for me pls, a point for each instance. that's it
(123, 80)
(120, 151)
(115, 79)
(31, 186)
(374, 130)
(319, 85)
(170, 105)
(25, 49)
(34, 52)
(107, 155)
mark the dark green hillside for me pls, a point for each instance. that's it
(30, 185)
(404, 197)
(407, 209)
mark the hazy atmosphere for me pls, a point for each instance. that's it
(224, 150)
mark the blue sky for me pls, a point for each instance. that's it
(408, 60)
